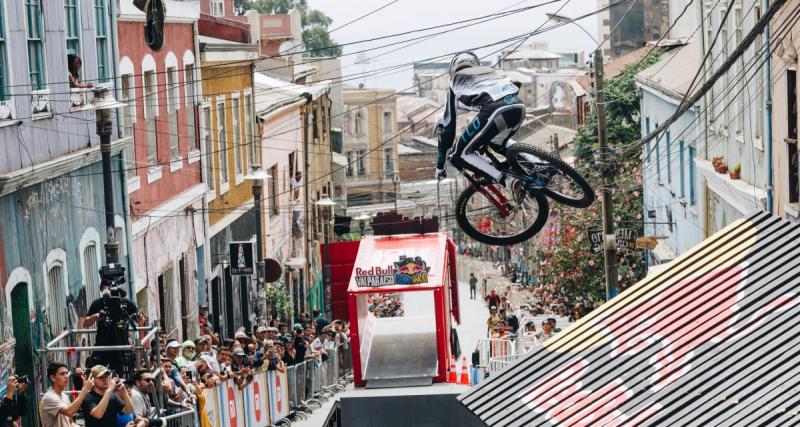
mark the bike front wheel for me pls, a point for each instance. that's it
(492, 214)
(558, 180)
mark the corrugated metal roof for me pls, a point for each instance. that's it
(710, 340)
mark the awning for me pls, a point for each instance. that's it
(709, 340)
(339, 159)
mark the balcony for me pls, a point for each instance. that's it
(8, 111)
(79, 97)
(40, 103)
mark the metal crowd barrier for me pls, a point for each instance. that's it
(315, 380)
(497, 364)
(187, 418)
(494, 347)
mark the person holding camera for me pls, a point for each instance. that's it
(108, 400)
(113, 313)
(55, 409)
(14, 402)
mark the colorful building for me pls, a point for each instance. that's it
(163, 168)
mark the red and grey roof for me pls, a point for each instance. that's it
(710, 340)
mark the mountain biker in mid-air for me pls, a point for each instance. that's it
(500, 113)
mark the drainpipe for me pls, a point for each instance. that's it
(306, 274)
(768, 136)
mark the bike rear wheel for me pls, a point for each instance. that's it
(478, 214)
(560, 181)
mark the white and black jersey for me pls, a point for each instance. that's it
(500, 113)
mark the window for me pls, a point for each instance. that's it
(350, 160)
(387, 122)
(73, 30)
(35, 36)
(791, 141)
(669, 219)
(3, 62)
(253, 146)
(56, 307)
(359, 125)
(188, 93)
(237, 137)
(128, 118)
(691, 176)
(101, 28)
(683, 166)
(150, 114)
(222, 144)
(668, 154)
(172, 112)
(361, 162)
(388, 163)
(208, 143)
(217, 8)
(166, 299)
(658, 156)
(273, 190)
(348, 123)
(90, 267)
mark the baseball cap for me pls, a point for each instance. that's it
(200, 339)
(272, 329)
(238, 352)
(297, 326)
(493, 308)
(240, 335)
(261, 329)
(99, 371)
(173, 344)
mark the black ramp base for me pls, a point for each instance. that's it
(432, 410)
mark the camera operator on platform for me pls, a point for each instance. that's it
(114, 314)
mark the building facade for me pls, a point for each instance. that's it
(164, 164)
(228, 122)
(52, 219)
(633, 25)
(673, 206)
(369, 145)
(784, 89)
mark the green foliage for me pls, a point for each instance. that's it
(567, 263)
(279, 301)
(315, 23)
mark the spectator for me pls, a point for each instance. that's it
(511, 320)
(187, 354)
(289, 355)
(493, 300)
(202, 318)
(55, 408)
(143, 385)
(473, 284)
(14, 402)
(300, 346)
(322, 322)
(547, 331)
(74, 66)
(493, 319)
(108, 399)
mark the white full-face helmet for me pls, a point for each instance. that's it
(463, 60)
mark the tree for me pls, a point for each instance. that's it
(566, 263)
(315, 23)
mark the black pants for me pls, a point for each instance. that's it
(471, 292)
(495, 124)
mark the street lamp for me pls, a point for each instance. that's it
(327, 203)
(257, 176)
(561, 19)
(102, 103)
(395, 180)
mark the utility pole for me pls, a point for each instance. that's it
(609, 236)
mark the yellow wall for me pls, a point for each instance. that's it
(219, 82)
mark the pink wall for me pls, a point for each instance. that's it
(178, 39)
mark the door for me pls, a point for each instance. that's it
(23, 349)
(216, 305)
(230, 298)
(245, 309)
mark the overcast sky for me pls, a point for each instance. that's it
(405, 15)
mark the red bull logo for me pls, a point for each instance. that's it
(406, 271)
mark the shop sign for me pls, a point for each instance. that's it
(625, 237)
(241, 257)
(406, 271)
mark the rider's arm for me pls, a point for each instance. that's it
(448, 129)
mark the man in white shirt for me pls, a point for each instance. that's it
(143, 385)
(55, 408)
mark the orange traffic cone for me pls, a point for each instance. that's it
(464, 377)
(452, 377)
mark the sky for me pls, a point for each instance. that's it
(407, 15)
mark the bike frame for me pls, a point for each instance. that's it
(493, 194)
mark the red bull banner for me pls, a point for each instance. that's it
(406, 271)
(278, 395)
(709, 340)
(256, 397)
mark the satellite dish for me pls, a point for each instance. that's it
(154, 23)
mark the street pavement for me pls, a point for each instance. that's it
(472, 328)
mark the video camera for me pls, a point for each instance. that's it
(113, 294)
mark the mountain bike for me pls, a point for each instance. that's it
(493, 214)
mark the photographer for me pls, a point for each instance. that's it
(113, 313)
(55, 407)
(108, 399)
(14, 401)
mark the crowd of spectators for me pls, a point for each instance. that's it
(178, 374)
(385, 305)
